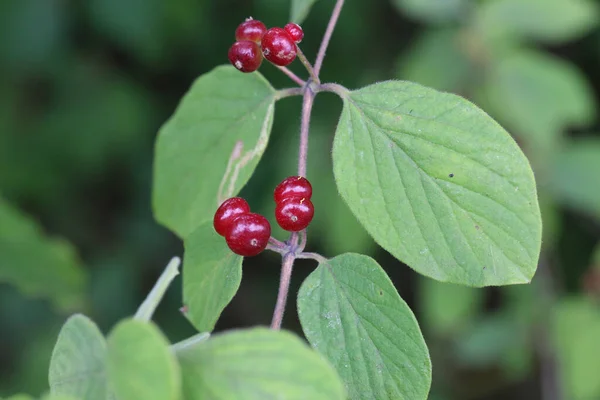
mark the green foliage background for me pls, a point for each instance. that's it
(85, 86)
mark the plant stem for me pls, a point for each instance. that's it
(284, 284)
(313, 256)
(292, 75)
(334, 88)
(189, 342)
(147, 308)
(307, 103)
(327, 36)
(283, 93)
(309, 68)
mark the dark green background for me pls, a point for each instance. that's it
(84, 88)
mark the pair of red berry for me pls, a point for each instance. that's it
(247, 234)
(278, 45)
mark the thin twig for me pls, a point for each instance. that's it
(312, 256)
(307, 103)
(284, 285)
(292, 75)
(283, 93)
(147, 308)
(307, 65)
(328, 32)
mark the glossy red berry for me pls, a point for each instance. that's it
(245, 56)
(295, 31)
(294, 213)
(249, 234)
(250, 29)
(227, 212)
(278, 47)
(293, 186)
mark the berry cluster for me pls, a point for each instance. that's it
(247, 234)
(253, 40)
(293, 209)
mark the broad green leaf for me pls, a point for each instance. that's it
(437, 60)
(433, 10)
(58, 397)
(448, 309)
(20, 397)
(211, 276)
(576, 333)
(140, 364)
(352, 314)
(538, 96)
(257, 364)
(574, 176)
(222, 108)
(300, 10)
(38, 265)
(552, 21)
(78, 363)
(438, 184)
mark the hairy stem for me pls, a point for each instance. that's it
(327, 36)
(307, 103)
(284, 284)
(144, 313)
(292, 75)
(283, 93)
(307, 65)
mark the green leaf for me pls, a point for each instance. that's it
(38, 265)
(300, 10)
(257, 364)
(20, 397)
(448, 309)
(77, 366)
(551, 21)
(438, 184)
(211, 276)
(140, 363)
(436, 59)
(538, 96)
(433, 10)
(194, 146)
(574, 176)
(352, 314)
(576, 333)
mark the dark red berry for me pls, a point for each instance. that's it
(295, 32)
(294, 213)
(293, 186)
(278, 47)
(245, 56)
(227, 212)
(249, 234)
(250, 29)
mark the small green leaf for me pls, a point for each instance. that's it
(438, 184)
(574, 176)
(257, 364)
(140, 363)
(448, 309)
(538, 96)
(432, 10)
(222, 108)
(352, 314)
(20, 397)
(78, 363)
(576, 333)
(300, 10)
(37, 265)
(211, 276)
(552, 21)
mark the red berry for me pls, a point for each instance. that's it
(227, 212)
(293, 186)
(294, 213)
(278, 47)
(250, 29)
(249, 234)
(295, 32)
(245, 56)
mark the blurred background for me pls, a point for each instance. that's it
(85, 86)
